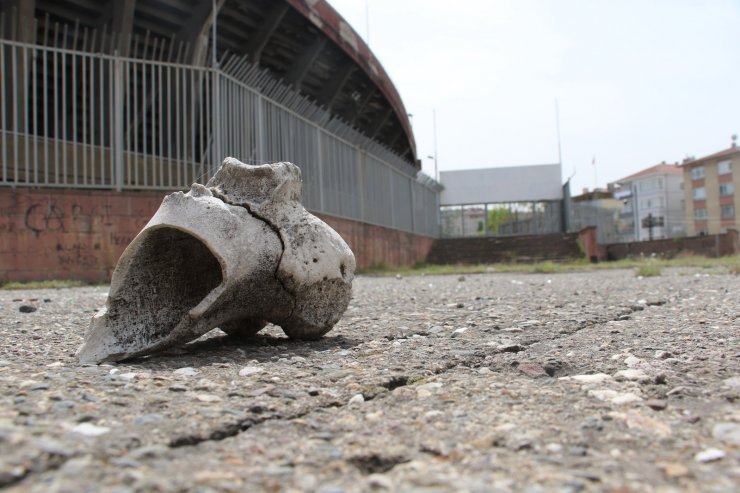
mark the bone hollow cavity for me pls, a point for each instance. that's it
(235, 254)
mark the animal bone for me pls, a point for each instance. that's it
(236, 253)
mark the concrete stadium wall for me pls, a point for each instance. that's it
(80, 234)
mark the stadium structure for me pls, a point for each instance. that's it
(109, 104)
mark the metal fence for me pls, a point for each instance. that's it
(80, 119)
(501, 219)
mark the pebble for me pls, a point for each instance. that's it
(625, 398)
(249, 370)
(588, 378)
(356, 400)
(632, 361)
(662, 354)
(633, 375)
(27, 308)
(710, 455)
(90, 430)
(532, 370)
(656, 404)
(187, 371)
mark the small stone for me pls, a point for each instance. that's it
(554, 448)
(460, 305)
(603, 394)
(90, 430)
(710, 455)
(633, 375)
(177, 388)
(27, 308)
(532, 370)
(436, 329)
(656, 404)
(459, 331)
(509, 347)
(662, 354)
(461, 278)
(632, 361)
(187, 371)
(249, 370)
(625, 398)
(356, 400)
(588, 378)
(207, 398)
(379, 482)
(727, 432)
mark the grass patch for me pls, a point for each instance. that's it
(648, 270)
(547, 268)
(649, 267)
(42, 285)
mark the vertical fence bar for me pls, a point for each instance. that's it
(216, 110)
(55, 75)
(152, 121)
(169, 124)
(135, 123)
(34, 114)
(118, 123)
(160, 127)
(101, 114)
(144, 153)
(178, 122)
(92, 122)
(14, 72)
(74, 119)
(65, 115)
(24, 101)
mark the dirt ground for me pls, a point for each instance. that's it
(598, 381)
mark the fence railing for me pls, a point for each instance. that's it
(77, 119)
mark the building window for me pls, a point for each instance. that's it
(697, 173)
(724, 167)
(700, 214)
(700, 193)
(727, 211)
(726, 189)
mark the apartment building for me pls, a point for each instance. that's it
(653, 207)
(712, 192)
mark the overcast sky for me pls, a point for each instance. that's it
(638, 81)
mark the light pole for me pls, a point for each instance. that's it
(434, 124)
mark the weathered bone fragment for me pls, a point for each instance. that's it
(237, 253)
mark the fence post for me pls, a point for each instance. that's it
(217, 157)
(260, 129)
(320, 166)
(118, 86)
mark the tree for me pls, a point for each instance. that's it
(496, 217)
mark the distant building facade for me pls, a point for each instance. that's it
(712, 192)
(653, 204)
(514, 200)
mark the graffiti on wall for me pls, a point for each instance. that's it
(79, 234)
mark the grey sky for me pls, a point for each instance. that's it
(638, 82)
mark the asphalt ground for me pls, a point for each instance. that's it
(598, 381)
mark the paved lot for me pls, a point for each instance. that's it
(497, 382)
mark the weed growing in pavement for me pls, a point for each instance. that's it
(58, 284)
(649, 270)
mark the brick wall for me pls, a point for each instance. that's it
(78, 234)
(708, 246)
(486, 250)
